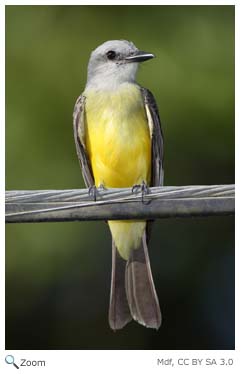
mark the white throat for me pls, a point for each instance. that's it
(110, 76)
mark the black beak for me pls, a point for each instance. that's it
(139, 56)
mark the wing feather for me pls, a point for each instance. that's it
(79, 136)
(157, 174)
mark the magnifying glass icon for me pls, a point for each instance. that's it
(9, 359)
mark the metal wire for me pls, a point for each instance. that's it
(160, 202)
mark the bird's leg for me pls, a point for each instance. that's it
(143, 188)
(93, 190)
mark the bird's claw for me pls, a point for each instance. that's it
(93, 191)
(143, 188)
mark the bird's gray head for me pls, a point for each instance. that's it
(113, 63)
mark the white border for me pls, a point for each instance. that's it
(125, 2)
(124, 361)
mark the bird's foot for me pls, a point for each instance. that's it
(143, 188)
(93, 191)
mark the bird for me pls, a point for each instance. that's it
(119, 144)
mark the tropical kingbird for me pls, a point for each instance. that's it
(120, 144)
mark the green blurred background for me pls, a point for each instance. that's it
(58, 274)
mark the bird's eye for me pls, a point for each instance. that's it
(111, 55)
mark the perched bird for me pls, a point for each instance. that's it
(120, 144)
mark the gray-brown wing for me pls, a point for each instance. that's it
(157, 173)
(79, 135)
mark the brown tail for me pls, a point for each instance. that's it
(133, 291)
(119, 313)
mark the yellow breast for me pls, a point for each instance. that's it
(118, 143)
(117, 137)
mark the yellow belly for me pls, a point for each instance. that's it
(119, 147)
